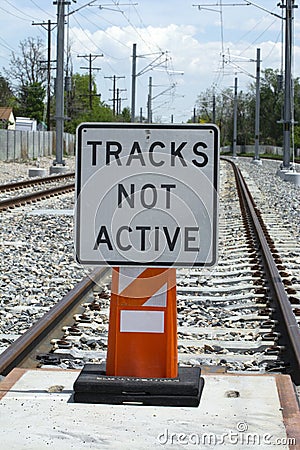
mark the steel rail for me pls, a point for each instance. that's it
(290, 332)
(26, 183)
(287, 319)
(23, 346)
(27, 198)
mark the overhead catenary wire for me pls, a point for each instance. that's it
(14, 15)
(94, 22)
(42, 9)
(93, 41)
(6, 45)
(25, 18)
(101, 29)
(140, 35)
(91, 38)
(220, 72)
(19, 10)
(97, 47)
(258, 37)
(134, 27)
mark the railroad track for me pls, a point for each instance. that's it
(240, 315)
(34, 182)
(28, 346)
(7, 200)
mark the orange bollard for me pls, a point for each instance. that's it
(142, 337)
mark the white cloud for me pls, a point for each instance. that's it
(187, 54)
(200, 60)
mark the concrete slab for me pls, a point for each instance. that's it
(249, 412)
(37, 172)
(57, 170)
(293, 177)
(258, 162)
(51, 212)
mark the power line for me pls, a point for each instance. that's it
(19, 10)
(14, 15)
(6, 45)
(104, 31)
(134, 28)
(44, 11)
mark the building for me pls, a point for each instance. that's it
(7, 119)
(25, 124)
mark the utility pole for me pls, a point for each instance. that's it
(287, 109)
(149, 103)
(194, 115)
(119, 100)
(214, 107)
(49, 29)
(114, 79)
(235, 118)
(90, 59)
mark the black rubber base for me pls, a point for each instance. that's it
(94, 386)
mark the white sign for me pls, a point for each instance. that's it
(147, 194)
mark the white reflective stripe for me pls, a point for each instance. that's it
(142, 321)
(127, 275)
(159, 298)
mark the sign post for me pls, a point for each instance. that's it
(147, 202)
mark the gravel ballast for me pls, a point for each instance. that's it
(37, 243)
(38, 263)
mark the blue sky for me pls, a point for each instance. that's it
(192, 41)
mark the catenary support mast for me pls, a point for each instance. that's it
(59, 86)
(288, 92)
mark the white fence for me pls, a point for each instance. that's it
(23, 145)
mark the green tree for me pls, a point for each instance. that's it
(27, 77)
(223, 112)
(297, 137)
(26, 67)
(78, 104)
(6, 93)
(297, 112)
(245, 119)
(125, 116)
(271, 107)
(271, 103)
(204, 106)
(31, 101)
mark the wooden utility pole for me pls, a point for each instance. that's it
(90, 68)
(114, 79)
(47, 26)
